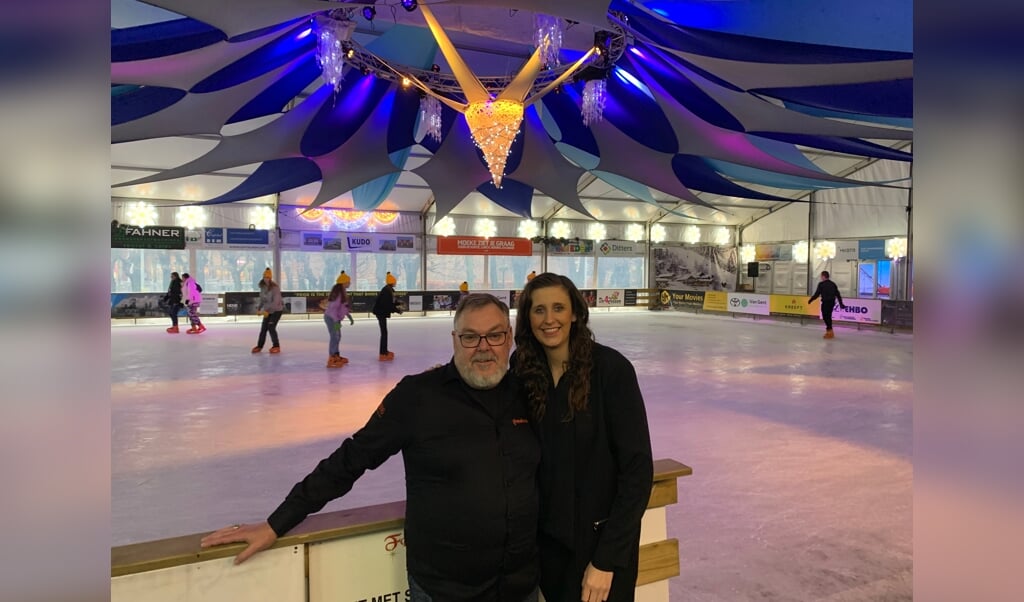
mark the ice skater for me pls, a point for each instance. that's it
(829, 293)
(171, 303)
(192, 300)
(271, 307)
(337, 309)
(383, 307)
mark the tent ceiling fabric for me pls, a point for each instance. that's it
(706, 122)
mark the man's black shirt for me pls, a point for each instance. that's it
(471, 496)
(829, 292)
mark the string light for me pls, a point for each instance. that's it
(263, 217)
(657, 233)
(747, 253)
(444, 227)
(494, 124)
(191, 217)
(560, 230)
(486, 227)
(896, 248)
(824, 250)
(528, 228)
(801, 252)
(141, 214)
(691, 235)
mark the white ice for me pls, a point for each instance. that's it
(801, 447)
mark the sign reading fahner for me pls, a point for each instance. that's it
(150, 237)
(746, 303)
(794, 305)
(864, 311)
(478, 245)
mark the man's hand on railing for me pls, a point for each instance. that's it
(259, 537)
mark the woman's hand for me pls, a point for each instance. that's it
(596, 584)
(258, 536)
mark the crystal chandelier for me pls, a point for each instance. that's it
(595, 95)
(333, 31)
(548, 37)
(430, 115)
(493, 120)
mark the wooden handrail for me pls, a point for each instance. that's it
(176, 551)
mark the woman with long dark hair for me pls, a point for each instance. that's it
(596, 467)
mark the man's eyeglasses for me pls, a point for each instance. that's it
(470, 340)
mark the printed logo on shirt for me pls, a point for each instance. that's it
(518, 421)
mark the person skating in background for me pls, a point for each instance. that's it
(829, 293)
(192, 298)
(172, 301)
(345, 279)
(531, 276)
(463, 291)
(337, 309)
(271, 307)
(383, 307)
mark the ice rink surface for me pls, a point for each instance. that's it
(801, 447)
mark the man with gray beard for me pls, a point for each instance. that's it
(470, 460)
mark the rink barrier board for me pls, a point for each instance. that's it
(175, 568)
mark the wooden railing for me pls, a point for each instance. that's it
(178, 569)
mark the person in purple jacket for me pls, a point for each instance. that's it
(337, 309)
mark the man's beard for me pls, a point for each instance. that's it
(475, 379)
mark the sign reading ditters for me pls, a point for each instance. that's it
(619, 248)
(150, 237)
(477, 245)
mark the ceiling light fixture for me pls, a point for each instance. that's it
(657, 233)
(747, 253)
(691, 235)
(528, 228)
(409, 5)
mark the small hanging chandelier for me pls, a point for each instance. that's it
(595, 95)
(548, 37)
(333, 31)
(430, 115)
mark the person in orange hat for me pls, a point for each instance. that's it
(271, 307)
(383, 307)
(337, 309)
(531, 275)
(463, 290)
